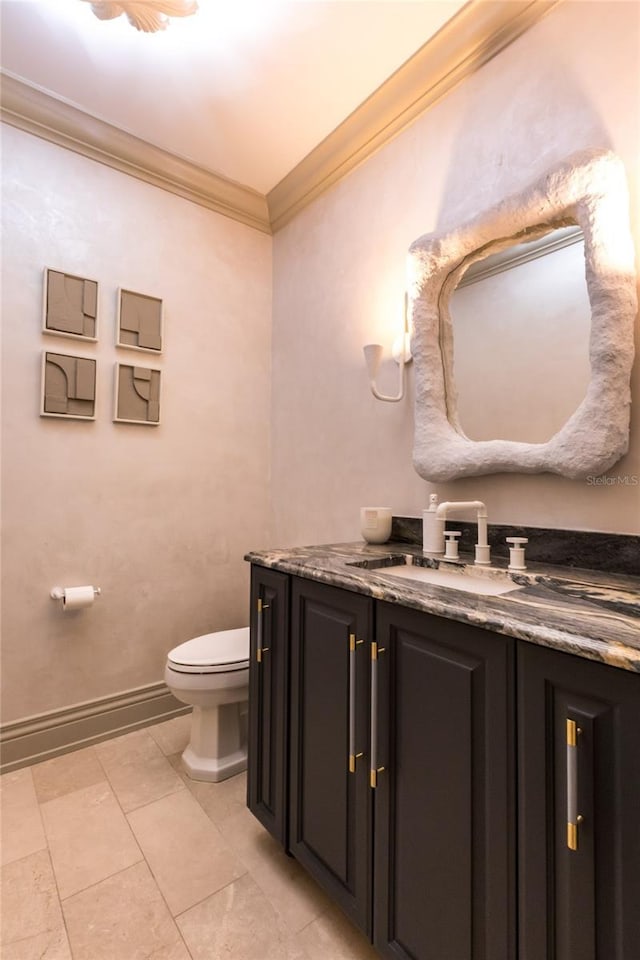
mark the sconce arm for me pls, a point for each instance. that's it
(382, 396)
(373, 356)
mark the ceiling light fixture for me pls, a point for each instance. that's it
(146, 15)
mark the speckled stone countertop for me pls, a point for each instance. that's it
(588, 613)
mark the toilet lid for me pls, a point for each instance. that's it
(218, 652)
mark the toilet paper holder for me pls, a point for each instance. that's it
(58, 593)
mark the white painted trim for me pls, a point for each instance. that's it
(47, 735)
(31, 109)
(470, 39)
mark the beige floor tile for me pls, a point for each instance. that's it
(52, 945)
(333, 936)
(172, 736)
(236, 894)
(218, 800)
(294, 895)
(89, 838)
(123, 918)
(137, 769)
(61, 775)
(249, 838)
(32, 924)
(22, 831)
(186, 853)
(238, 923)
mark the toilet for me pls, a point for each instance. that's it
(211, 673)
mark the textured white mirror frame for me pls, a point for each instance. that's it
(589, 189)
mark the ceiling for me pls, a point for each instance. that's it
(245, 88)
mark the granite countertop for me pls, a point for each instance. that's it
(588, 613)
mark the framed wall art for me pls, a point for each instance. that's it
(140, 322)
(137, 395)
(68, 386)
(70, 307)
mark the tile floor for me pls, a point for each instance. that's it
(112, 853)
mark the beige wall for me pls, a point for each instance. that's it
(339, 267)
(158, 517)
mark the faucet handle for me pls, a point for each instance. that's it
(451, 544)
(516, 552)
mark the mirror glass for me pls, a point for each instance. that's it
(521, 321)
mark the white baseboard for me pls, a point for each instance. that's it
(33, 739)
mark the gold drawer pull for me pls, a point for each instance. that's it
(374, 769)
(353, 756)
(259, 647)
(573, 817)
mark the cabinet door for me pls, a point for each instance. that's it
(582, 903)
(330, 825)
(444, 802)
(266, 778)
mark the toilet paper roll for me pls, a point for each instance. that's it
(73, 598)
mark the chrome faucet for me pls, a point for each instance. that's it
(482, 546)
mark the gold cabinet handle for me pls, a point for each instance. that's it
(374, 769)
(353, 756)
(260, 649)
(573, 817)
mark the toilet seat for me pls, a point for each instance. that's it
(223, 652)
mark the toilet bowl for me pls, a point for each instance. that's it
(211, 673)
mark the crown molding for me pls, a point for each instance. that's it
(480, 30)
(31, 109)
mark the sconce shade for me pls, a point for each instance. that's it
(373, 358)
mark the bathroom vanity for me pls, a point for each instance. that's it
(459, 770)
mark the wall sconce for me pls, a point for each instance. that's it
(401, 354)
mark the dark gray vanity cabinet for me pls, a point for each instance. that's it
(416, 731)
(444, 802)
(330, 829)
(268, 693)
(579, 862)
(420, 769)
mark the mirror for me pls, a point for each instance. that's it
(521, 321)
(588, 190)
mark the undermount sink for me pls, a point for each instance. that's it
(457, 580)
(488, 583)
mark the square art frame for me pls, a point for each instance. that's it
(68, 386)
(69, 306)
(140, 322)
(137, 394)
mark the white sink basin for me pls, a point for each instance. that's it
(456, 579)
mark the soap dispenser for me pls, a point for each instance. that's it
(432, 528)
